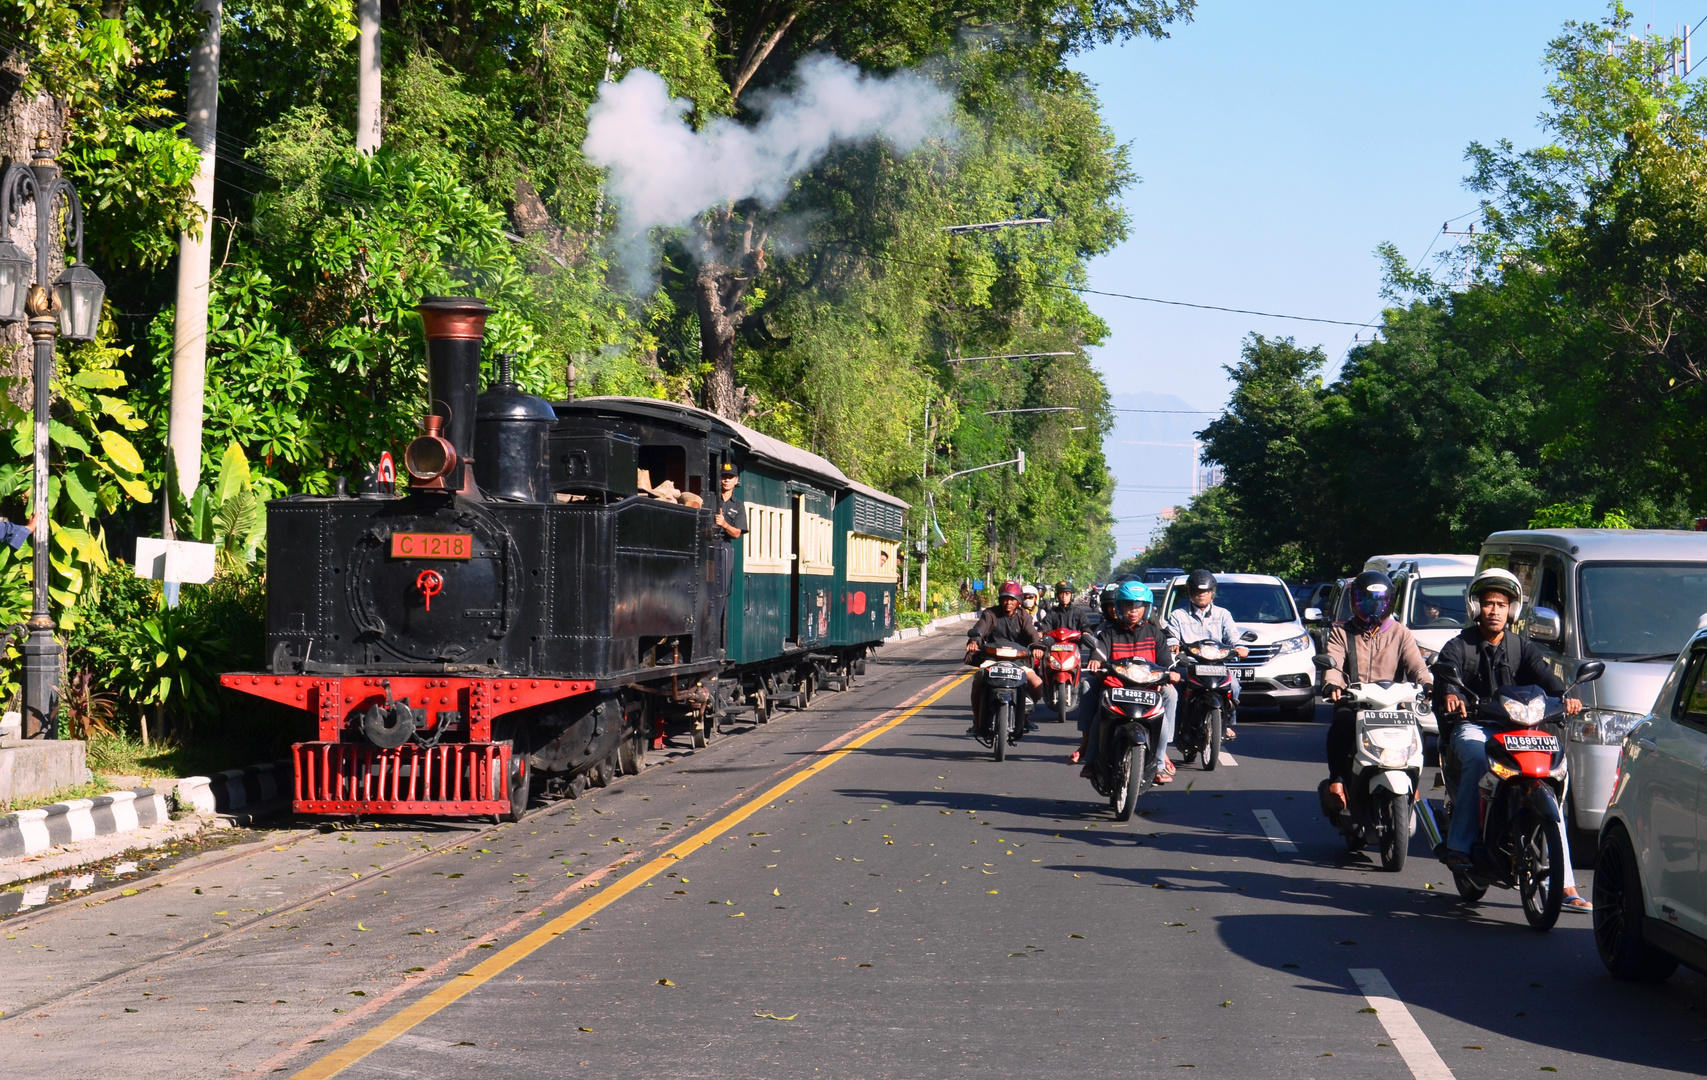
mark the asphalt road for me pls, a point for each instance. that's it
(903, 907)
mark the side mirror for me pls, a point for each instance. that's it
(1445, 674)
(1312, 614)
(1248, 636)
(1324, 662)
(1590, 671)
(1545, 625)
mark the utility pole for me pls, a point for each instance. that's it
(367, 76)
(195, 256)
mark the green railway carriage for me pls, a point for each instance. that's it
(868, 541)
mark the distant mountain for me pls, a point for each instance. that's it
(1149, 477)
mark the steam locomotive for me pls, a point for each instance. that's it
(541, 603)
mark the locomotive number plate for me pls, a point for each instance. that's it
(432, 545)
(1532, 742)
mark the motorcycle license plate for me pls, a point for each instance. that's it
(1532, 742)
(1130, 696)
(1209, 669)
(1385, 716)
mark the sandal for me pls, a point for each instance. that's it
(1168, 768)
(1458, 860)
(1073, 758)
(1229, 734)
(1577, 902)
(1166, 777)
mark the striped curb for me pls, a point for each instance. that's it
(26, 832)
(236, 791)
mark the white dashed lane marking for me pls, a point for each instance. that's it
(1271, 828)
(1408, 1038)
(1227, 759)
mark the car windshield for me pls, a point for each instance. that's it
(1249, 601)
(1640, 609)
(1438, 603)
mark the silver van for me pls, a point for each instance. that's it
(1630, 597)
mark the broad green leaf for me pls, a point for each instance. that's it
(100, 378)
(62, 436)
(120, 451)
(78, 491)
(233, 474)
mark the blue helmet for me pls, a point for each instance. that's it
(1136, 592)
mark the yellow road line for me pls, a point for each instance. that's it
(465, 982)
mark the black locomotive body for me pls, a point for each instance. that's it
(541, 599)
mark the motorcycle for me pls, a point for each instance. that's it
(1130, 748)
(1519, 845)
(1386, 769)
(1061, 684)
(1206, 700)
(1007, 705)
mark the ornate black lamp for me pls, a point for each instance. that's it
(72, 309)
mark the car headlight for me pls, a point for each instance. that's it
(1603, 727)
(1292, 645)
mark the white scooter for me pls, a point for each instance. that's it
(1386, 768)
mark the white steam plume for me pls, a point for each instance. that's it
(663, 173)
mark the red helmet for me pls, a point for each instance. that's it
(1010, 588)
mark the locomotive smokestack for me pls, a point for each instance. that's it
(455, 327)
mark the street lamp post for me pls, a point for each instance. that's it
(72, 309)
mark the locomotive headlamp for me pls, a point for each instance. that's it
(430, 458)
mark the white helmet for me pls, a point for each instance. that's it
(1029, 590)
(1495, 579)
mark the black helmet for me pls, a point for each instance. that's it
(1200, 581)
(1372, 596)
(1110, 597)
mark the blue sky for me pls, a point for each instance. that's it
(1278, 144)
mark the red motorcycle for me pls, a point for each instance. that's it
(1062, 674)
(1519, 845)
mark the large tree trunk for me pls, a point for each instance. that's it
(367, 76)
(720, 290)
(195, 262)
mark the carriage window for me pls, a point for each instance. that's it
(765, 548)
(817, 544)
(871, 559)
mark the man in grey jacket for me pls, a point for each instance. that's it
(1201, 619)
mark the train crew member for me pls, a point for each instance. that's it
(730, 522)
(1006, 621)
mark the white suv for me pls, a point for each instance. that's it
(1279, 670)
(1650, 893)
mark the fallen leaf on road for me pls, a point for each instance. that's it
(774, 1016)
(1370, 1010)
(776, 892)
(1224, 1004)
(862, 965)
(358, 993)
(471, 1044)
(994, 892)
(739, 915)
(362, 928)
(127, 892)
(665, 982)
(1080, 936)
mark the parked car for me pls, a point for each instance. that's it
(1650, 896)
(1335, 608)
(1312, 594)
(1630, 597)
(1279, 670)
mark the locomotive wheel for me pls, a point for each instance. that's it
(761, 706)
(808, 687)
(631, 751)
(696, 729)
(521, 775)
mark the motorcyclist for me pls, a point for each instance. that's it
(1028, 601)
(1106, 601)
(1066, 615)
(1201, 619)
(1486, 658)
(1006, 621)
(1129, 636)
(1371, 647)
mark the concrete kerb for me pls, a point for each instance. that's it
(78, 832)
